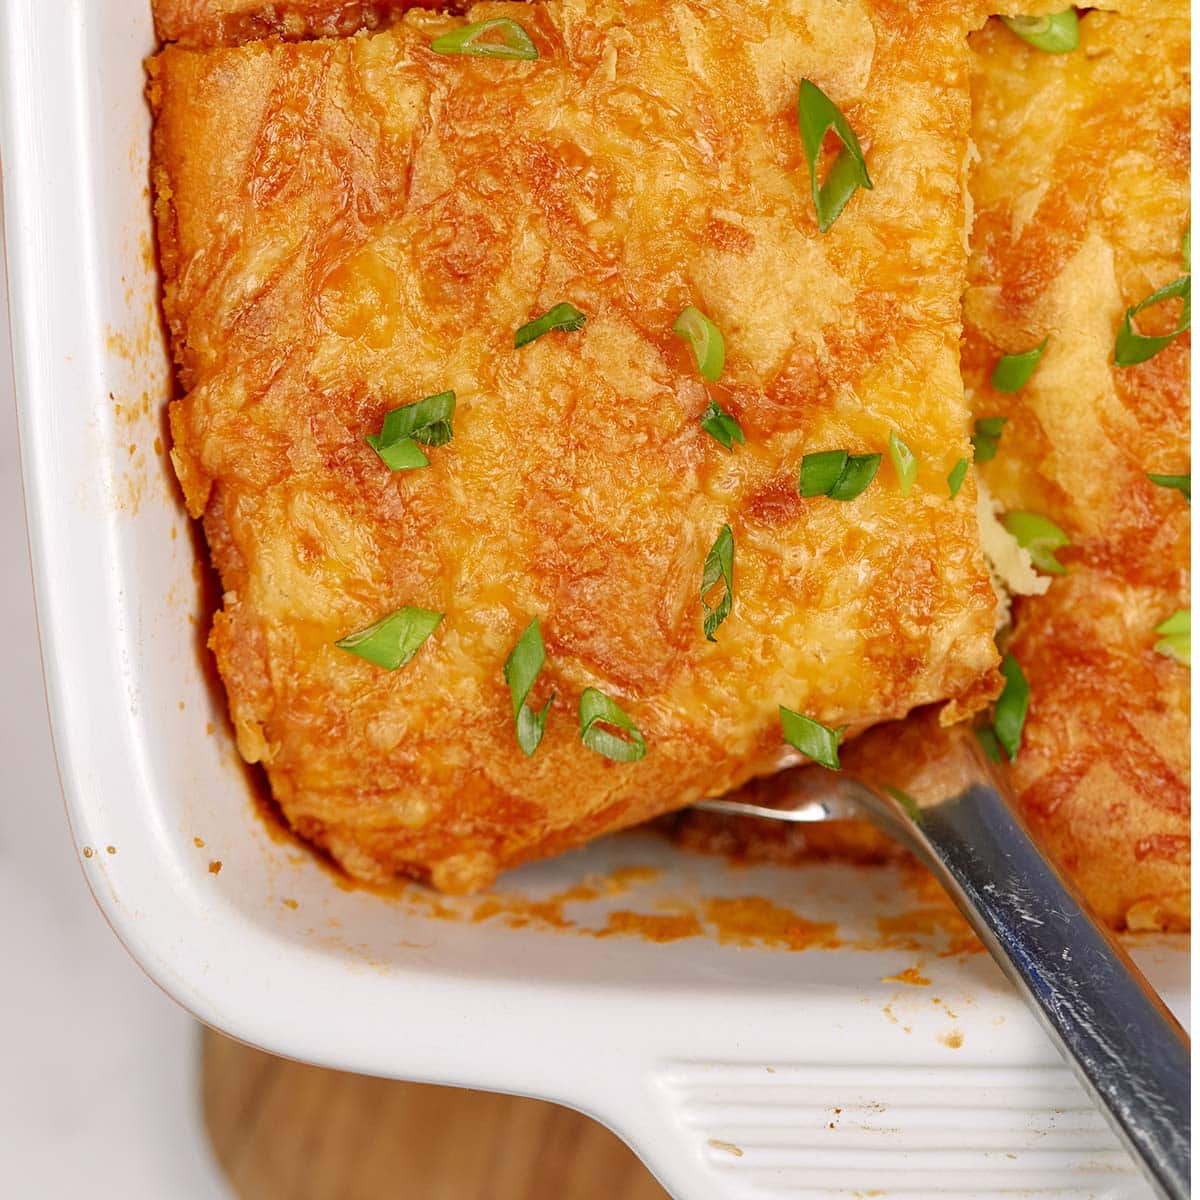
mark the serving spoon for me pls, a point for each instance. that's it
(1129, 1052)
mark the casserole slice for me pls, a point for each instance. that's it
(351, 228)
(1081, 195)
(1082, 202)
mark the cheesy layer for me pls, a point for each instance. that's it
(348, 226)
(1081, 198)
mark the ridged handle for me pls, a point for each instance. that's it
(1128, 1050)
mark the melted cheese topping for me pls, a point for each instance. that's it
(348, 226)
(1081, 196)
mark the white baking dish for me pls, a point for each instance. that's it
(732, 1071)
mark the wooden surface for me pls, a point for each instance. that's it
(283, 1131)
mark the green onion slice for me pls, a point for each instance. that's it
(1133, 347)
(1040, 536)
(906, 802)
(837, 474)
(719, 424)
(513, 41)
(905, 463)
(819, 472)
(860, 470)
(818, 115)
(429, 421)
(707, 343)
(1008, 721)
(1185, 247)
(1012, 372)
(521, 669)
(596, 710)
(392, 641)
(1181, 483)
(564, 317)
(718, 567)
(958, 473)
(987, 739)
(817, 741)
(986, 439)
(1176, 641)
(1057, 33)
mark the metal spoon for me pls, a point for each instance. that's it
(1127, 1049)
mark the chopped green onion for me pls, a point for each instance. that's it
(1185, 247)
(597, 710)
(1181, 483)
(818, 115)
(987, 739)
(707, 343)
(1040, 536)
(819, 472)
(986, 439)
(1176, 640)
(1133, 347)
(404, 455)
(521, 669)
(429, 421)
(1008, 720)
(958, 474)
(1012, 372)
(837, 474)
(905, 463)
(1057, 33)
(817, 741)
(718, 566)
(564, 317)
(392, 641)
(860, 470)
(906, 802)
(514, 43)
(719, 424)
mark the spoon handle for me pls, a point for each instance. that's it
(1128, 1050)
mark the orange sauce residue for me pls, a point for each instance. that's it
(623, 878)
(755, 921)
(652, 927)
(911, 975)
(933, 926)
(517, 912)
(214, 867)
(921, 928)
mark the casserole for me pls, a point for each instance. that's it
(733, 1070)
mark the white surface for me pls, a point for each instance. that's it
(98, 1093)
(685, 1049)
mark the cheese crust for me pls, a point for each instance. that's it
(351, 225)
(1081, 200)
(1081, 197)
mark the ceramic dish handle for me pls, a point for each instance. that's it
(1128, 1050)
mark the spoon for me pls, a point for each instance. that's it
(1129, 1052)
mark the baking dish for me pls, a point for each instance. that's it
(734, 1071)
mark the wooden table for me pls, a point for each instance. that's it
(284, 1131)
